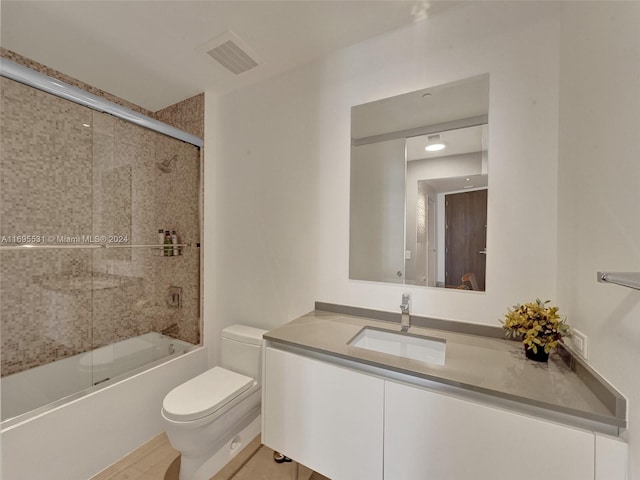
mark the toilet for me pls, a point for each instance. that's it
(212, 417)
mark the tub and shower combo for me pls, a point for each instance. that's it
(58, 381)
(89, 294)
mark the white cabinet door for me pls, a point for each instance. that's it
(324, 416)
(431, 436)
(612, 458)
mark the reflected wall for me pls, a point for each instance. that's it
(376, 244)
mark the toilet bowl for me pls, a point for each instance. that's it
(211, 417)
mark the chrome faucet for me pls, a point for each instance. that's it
(406, 313)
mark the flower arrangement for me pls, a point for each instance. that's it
(539, 325)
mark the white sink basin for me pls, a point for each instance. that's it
(417, 347)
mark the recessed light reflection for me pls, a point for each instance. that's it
(434, 144)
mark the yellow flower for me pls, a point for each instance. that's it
(539, 325)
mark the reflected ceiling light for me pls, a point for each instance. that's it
(434, 144)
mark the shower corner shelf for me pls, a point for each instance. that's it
(625, 279)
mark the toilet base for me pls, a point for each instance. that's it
(224, 454)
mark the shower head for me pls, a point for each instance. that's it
(165, 165)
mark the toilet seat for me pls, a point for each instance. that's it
(204, 394)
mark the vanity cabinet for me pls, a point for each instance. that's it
(348, 424)
(324, 416)
(432, 435)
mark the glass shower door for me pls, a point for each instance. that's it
(86, 295)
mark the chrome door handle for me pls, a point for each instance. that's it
(483, 251)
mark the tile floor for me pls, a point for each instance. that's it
(157, 460)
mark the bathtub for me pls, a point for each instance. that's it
(59, 381)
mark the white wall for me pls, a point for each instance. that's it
(278, 175)
(278, 156)
(599, 189)
(522, 64)
(260, 209)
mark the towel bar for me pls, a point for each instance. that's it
(626, 279)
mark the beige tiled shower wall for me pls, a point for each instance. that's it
(187, 115)
(60, 180)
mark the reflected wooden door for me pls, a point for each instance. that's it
(466, 236)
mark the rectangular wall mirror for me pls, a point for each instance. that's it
(419, 187)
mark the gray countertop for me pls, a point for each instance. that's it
(474, 363)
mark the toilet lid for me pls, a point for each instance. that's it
(204, 394)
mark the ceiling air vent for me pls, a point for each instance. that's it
(228, 50)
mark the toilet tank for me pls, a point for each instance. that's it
(241, 350)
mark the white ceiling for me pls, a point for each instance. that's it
(147, 51)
